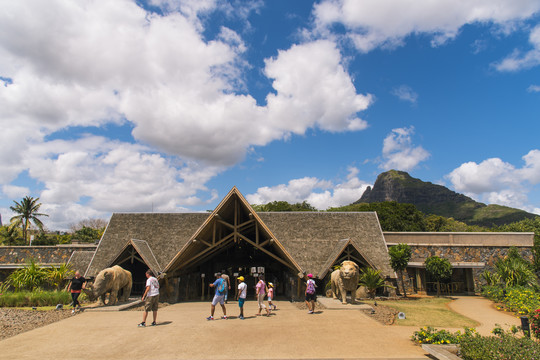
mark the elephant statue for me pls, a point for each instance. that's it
(114, 280)
(345, 279)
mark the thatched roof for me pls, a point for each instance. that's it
(305, 241)
(312, 237)
(164, 233)
(79, 260)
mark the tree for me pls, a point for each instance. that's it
(284, 206)
(27, 211)
(400, 255)
(87, 235)
(372, 280)
(440, 269)
(513, 270)
(10, 235)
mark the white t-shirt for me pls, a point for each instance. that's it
(154, 286)
(242, 287)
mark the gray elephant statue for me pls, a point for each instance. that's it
(114, 281)
(345, 279)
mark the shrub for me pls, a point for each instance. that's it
(430, 335)
(34, 298)
(372, 280)
(503, 346)
(523, 301)
(534, 321)
(493, 292)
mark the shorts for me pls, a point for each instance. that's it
(218, 299)
(241, 302)
(151, 303)
(269, 298)
(311, 297)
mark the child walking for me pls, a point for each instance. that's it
(271, 296)
(242, 294)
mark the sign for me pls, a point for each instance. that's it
(260, 269)
(203, 275)
(253, 270)
(255, 275)
(235, 274)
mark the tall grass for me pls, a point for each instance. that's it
(34, 298)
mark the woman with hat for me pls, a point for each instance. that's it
(310, 294)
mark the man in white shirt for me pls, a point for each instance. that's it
(150, 297)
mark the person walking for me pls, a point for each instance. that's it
(228, 280)
(150, 298)
(219, 297)
(260, 290)
(311, 298)
(76, 285)
(241, 297)
(271, 296)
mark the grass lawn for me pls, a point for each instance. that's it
(428, 312)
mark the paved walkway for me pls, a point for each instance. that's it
(183, 333)
(483, 311)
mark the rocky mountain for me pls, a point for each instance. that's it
(435, 199)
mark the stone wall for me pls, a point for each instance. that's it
(474, 255)
(12, 255)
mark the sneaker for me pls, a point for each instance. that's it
(153, 323)
(73, 311)
(241, 318)
(210, 318)
(224, 317)
(142, 324)
(310, 312)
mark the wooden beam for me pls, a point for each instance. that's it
(226, 224)
(207, 250)
(214, 233)
(266, 252)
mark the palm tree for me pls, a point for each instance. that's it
(27, 211)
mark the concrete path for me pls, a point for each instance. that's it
(183, 333)
(483, 311)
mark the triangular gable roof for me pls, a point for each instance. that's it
(165, 233)
(336, 253)
(146, 255)
(227, 215)
(312, 237)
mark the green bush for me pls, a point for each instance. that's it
(504, 346)
(34, 298)
(430, 335)
(521, 300)
(493, 292)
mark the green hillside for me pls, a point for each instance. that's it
(435, 199)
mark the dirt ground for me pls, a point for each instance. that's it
(15, 321)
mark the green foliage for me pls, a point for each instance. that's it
(283, 206)
(57, 275)
(505, 345)
(11, 236)
(34, 298)
(392, 215)
(440, 269)
(515, 271)
(30, 277)
(430, 335)
(400, 255)
(490, 278)
(493, 292)
(87, 235)
(372, 280)
(527, 225)
(28, 212)
(521, 300)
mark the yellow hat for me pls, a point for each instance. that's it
(241, 278)
(270, 284)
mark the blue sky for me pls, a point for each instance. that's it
(163, 105)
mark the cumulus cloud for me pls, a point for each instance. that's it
(519, 60)
(374, 23)
(499, 182)
(67, 65)
(405, 93)
(399, 152)
(321, 194)
(534, 88)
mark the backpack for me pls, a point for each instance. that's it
(310, 287)
(222, 286)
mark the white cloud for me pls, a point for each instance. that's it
(533, 88)
(405, 93)
(499, 182)
(321, 194)
(399, 153)
(15, 192)
(518, 60)
(373, 23)
(86, 64)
